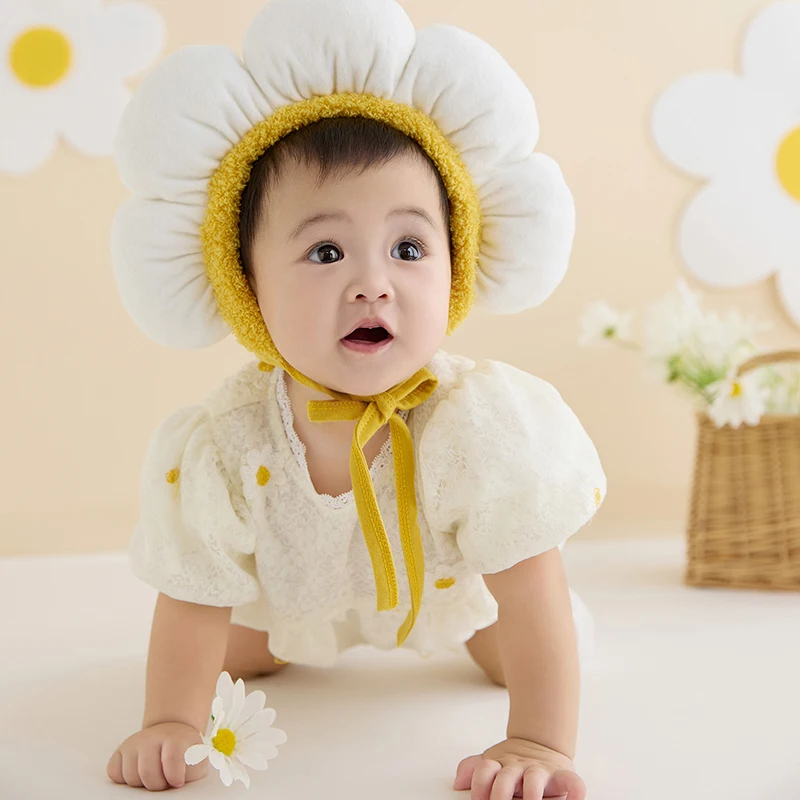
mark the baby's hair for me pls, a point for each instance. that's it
(334, 145)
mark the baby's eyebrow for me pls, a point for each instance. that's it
(341, 215)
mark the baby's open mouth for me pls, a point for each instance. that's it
(368, 335)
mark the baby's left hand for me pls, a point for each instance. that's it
(519, 768)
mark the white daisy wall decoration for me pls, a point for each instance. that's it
(62, 67)
(741, 133)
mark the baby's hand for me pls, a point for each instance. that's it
(153, 758)
(519, 768)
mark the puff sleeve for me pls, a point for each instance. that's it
(194, 539)
(506, 467)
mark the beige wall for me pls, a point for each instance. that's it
(83, 388)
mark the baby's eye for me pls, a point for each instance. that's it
(412, 246)
(326, 248)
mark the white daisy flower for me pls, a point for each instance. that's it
(728, 339)
(62, 65)
(741, 132)
(737, 399)
(239, 733)
(678, 324)
(601, 324)
(671, 322)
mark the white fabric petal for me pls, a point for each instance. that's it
(217, 707)
(322, 48)
(27, 140)
(75, 7)
(264, 736)
(239, 772)
(262, 749)
(185, 116)
(728, 240)
(224, 689)
(473, 96)
(196, 753)
(262, 719)
(212, 728)
(94, 115)
(789, 289)
(252, 759)
(160, 273)
(225, 771)
(770, 52)
(708, 122)
(231, 721)
(253, 703)
(529, 224)
(30, 120)
(216, 758)
(130, 36)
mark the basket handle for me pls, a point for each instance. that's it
(768, 358)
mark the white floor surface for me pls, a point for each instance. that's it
(693, 694)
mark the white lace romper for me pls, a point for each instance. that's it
(229, 515)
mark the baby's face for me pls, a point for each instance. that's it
(316, 281)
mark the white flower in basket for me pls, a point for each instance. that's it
(601, 324)
(700, 352)
(737, 399)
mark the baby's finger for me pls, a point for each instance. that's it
(534, 782)
(114, 767)
(150, 772)
(172, 763)
(483, 778)
(464, 771)
(566, 782)
(506, 782)
(130, 767)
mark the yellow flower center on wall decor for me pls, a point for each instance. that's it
(40, 57)
(789, 163)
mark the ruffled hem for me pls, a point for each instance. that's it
(319, 644)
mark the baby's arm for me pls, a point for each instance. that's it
(539, 651)
(187, 650)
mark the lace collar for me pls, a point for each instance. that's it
(298, 448)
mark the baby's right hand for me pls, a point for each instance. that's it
(153, 758)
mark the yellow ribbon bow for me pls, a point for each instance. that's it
(372, 414)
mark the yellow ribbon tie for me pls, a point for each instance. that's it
(373, 413)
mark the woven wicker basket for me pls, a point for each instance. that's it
(744, 521)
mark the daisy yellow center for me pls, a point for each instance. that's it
(224, 741)
(789, 163)
(40, 57)
(736, 389)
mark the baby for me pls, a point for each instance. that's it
(270, 511)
